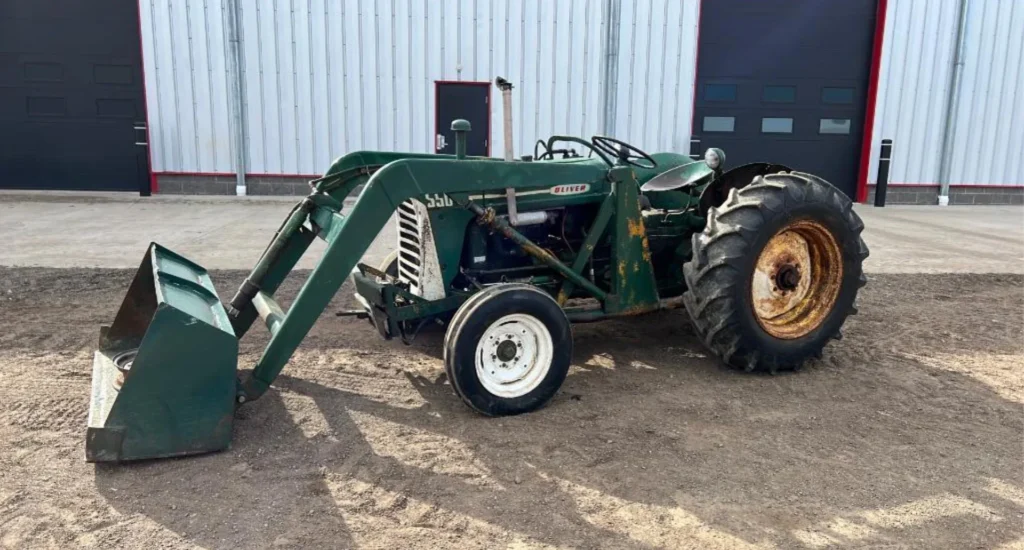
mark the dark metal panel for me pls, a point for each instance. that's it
(71, 94)
(467, 100)
(807, 45)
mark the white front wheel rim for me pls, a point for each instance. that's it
(514, 355)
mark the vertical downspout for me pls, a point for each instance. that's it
(949, 131)
(612, 13)
(236, 86)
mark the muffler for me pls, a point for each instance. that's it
(163, 378)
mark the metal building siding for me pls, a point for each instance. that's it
(324, 77)
(917, 58)
(913, 83)
(656, 70)
(989, 141)
(186, 85)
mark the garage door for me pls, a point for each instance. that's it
(786, 81)
(71, 95)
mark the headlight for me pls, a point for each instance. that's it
(714, 157)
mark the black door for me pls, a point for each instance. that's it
(468, 100)
(71, 96)
(786, 81)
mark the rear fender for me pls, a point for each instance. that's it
(718, 190)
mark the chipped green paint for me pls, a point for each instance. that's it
(633, 281)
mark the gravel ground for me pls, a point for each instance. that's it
(907, 434)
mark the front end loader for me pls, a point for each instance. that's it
(507, 253)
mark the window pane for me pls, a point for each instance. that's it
(837, 95)
(46, 106)
(720, 92)
(719, 123)
(770, 125)
(834, 126)
(779, 94)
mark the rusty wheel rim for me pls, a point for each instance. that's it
(796, 279)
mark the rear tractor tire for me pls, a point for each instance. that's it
(508, 349)
(775, 272)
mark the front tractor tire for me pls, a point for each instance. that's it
(508, 349)
(775, 272)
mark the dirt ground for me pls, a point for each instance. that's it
(909, 433)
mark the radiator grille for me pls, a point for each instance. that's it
(410, 249)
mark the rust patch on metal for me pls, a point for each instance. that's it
(796, 279)
(622, 269)
(487, 217)
(638, 310)
(636, 228)
(562, 297)
(537, 251)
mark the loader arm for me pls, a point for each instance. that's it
(349, 171)
(349, 236)
(292, 239)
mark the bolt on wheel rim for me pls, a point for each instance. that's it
(514, 355)
(796, 279)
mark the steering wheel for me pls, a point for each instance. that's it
(537, 155)
(572, 139)
(623, 151)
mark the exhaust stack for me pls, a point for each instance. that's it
(506, 105)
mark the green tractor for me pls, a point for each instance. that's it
(508, 254)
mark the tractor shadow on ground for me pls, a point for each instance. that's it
(649, 443)
(233, 498)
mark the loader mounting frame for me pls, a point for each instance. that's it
(632, 291)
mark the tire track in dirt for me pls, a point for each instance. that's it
(361, 443)
(57, 414)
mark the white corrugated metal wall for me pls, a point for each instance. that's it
(656, 65)
(184, 53)
(323, 77)
(989, 143)
(917, 57)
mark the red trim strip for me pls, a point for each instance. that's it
(470, 82)
(176, 173)
(490, 107)
(232, 174)
(433, 130)
(986, 185)
(309, 176)
(696, 63)
(872, 98)
(153, 185)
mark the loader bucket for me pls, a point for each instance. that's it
(163, 379)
